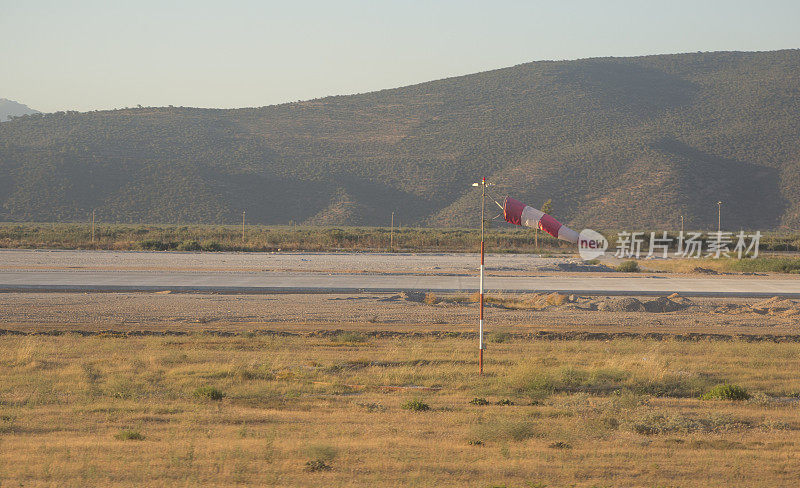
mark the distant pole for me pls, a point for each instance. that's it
(391, 235)
(719, 217)
(92, 226)
(681, 224)
(243, 226)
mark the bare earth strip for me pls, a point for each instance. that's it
(78, 271)
(305, 313)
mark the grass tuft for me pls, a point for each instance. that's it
(321, 456)
(208, 393)
(130, 435)
(416, 406)
(317, 465)
(726, 392)
(628, 267)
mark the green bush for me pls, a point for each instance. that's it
(628, 267)
(213, 246)
(479, 401)
(130, 435)
(726, 391)
(416, 406)
(189, 246)
(208, 392)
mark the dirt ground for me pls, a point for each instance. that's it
(306, 313)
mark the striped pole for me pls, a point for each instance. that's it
(483, 186)
(480, 321)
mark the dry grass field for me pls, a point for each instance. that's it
(350, 409)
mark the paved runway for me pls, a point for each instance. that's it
(304, 282)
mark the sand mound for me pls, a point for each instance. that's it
(627, 304)
(679, 299)
(671, 303)
(774, 302)
(412, 296)
(556, 299)
(775, 306)
(663, 304)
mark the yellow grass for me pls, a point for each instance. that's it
(112, 411)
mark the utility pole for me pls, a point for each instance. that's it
(719, 217)
(243, 226)
(391, 235)
(92, 226)
(482, 184)
(681, 224)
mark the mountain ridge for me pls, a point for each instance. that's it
(11, 108)
(614, 142)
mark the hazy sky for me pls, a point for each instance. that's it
(86, 55)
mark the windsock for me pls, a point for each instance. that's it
(516, 212)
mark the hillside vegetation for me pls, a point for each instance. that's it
(614, 142)
(260, 238)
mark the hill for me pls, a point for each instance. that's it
(10, 108)
(615, 142)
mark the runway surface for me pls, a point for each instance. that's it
(83, 271)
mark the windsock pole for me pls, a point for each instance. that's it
(483, 186)
(480, 320)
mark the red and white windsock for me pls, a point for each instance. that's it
(516, 212)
